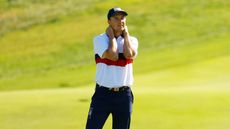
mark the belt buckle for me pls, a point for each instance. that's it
(116, 89)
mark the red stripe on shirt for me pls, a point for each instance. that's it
(119, 62)
(122, 61)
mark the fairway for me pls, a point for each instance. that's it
(200, 104)
(174, 108)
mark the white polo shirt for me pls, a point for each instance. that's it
(113, 73)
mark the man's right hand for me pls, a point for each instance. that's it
(110, 32)
(112, 52)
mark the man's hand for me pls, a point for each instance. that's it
(129, 52)
(110, 32)
(125, 32)
(112, 52)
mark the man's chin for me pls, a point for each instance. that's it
(120, 29)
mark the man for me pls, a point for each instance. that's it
(114, 54)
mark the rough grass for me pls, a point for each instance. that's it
(23, 14)
(59, 54)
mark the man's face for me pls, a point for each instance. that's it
(118, 22)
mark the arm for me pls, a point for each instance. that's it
(129, 52)
(111, 53)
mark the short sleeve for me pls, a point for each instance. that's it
(100, 45)
(134, 44)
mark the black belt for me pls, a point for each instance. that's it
(115, 89)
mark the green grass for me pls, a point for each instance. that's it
(59, 53)
(24, 14)
(194, 96)
(162, 109)
(153, 109)
(156, 108)
(47, 63)
(181, 109)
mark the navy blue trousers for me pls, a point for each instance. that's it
(105, 102)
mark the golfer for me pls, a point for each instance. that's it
(114, 53)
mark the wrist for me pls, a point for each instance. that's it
(111, 37)
(125, 34)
